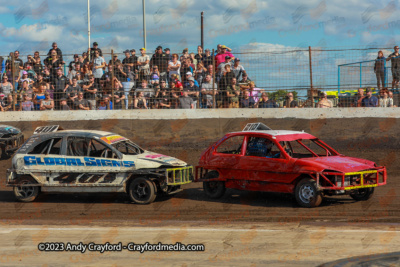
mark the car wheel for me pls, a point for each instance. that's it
(307, 194)
(26, 193)
(362, 194)
(213, 189)
(142, 191)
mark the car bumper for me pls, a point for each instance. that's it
(179, 176)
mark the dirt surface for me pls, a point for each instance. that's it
(369, 138)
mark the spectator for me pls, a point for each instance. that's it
(2, 102)
(139, 102)
(38, 67)
(26, 90)
(385, 101)
(237, 69)
(81, 103)
(220, 57)
(119, 94)
(174, 66)
(358, 98)
(128, 61)
(95, 49)
(266, 103)
(208, 89)
(74, 71)
(226, 78)
(185, 69)
(106, 104)
(59, 86)
(247, 101)
(185, 101)
(14, 70)
(135, 59)
(185, 53)
(47, 103)
(90, 88)
(160, 60)
(38, 82)
(163, 99)
(290, 102)
(98, 64)
(188, 76)
(39, 96)
(6, 87)
(53, 63)
(193, 61)
(379, 69)
(63, 104)
(177, 83)
(254, 92)
(200, 72)
(210, 71)
(369, 100)
(167, 52)
(391, 97)
(73, 64)
(58, 51)
(31, 73)
(245, 82)
(207, 58)
(84, 59)
(194, 90)
(25, 78)
(143, 63)
(200, 55)
(46, 74)
(395, 60)
(147, 92)
(9, 103)
(324, 102)
(36, 56)
(232, 93)
(26, 104)
(221, 67)
(86, 72)
(155, 76)
(72, 90)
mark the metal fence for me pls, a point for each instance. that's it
(304, 71)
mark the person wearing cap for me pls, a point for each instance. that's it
(369, 100)
(324, 102)
(185, 101)
(264, 102)
(94, 49)
(128, 61)
(187, 79)
(220, 57)
(194, 90)
(143, 65)
(160, 60)
(55, 47)
(24, 78)
(245, 82)
(135, 59)
(221, 67)
(238, 69)
(167, 52)
(47, 103)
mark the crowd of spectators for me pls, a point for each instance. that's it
(161, 81)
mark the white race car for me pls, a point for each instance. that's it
(71, 161)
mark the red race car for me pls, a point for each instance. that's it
(261, 159)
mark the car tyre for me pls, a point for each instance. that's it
(142, 191)
(307, 194)
(362, 194)
(213, 189)
(26, 193)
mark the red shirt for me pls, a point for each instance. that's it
(219, 58)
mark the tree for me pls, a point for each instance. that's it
(280, 95)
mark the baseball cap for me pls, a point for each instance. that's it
(24, 72)
(167, 49)
(76, 55)
(227, 57)
(237, 59)
(191, 79)
(223, 46)
(95, 43)
(144, 49)
(188, 73)
(132, 50)
(367, 90)
(2, 95)
(126, 51)
(185, 50)
(159, 47)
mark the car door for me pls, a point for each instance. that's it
(90, 161)
(264, 160)
(227, 156)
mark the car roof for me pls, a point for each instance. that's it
(279, 135)
(82, 133)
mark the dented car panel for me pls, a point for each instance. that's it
(11, 139)
(92, 161)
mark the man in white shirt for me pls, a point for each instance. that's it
(98, 64)
(143, 64)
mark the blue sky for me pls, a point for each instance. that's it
(244, 25)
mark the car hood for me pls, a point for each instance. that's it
(150, 159)
(339, 163)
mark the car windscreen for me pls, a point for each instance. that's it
(128, 148)
(307, 148)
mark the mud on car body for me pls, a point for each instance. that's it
(11, 139)
(74, 161)
(261, 159)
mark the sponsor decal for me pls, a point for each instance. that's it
(87, 161)
(155, 156)
(113, 139)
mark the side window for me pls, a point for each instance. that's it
(77, 146)
(99, 150)
(232, 145)
(50, 146)
(262, 147)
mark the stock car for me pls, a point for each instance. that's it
(11, 139)
(261, 159)
(78, 161)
